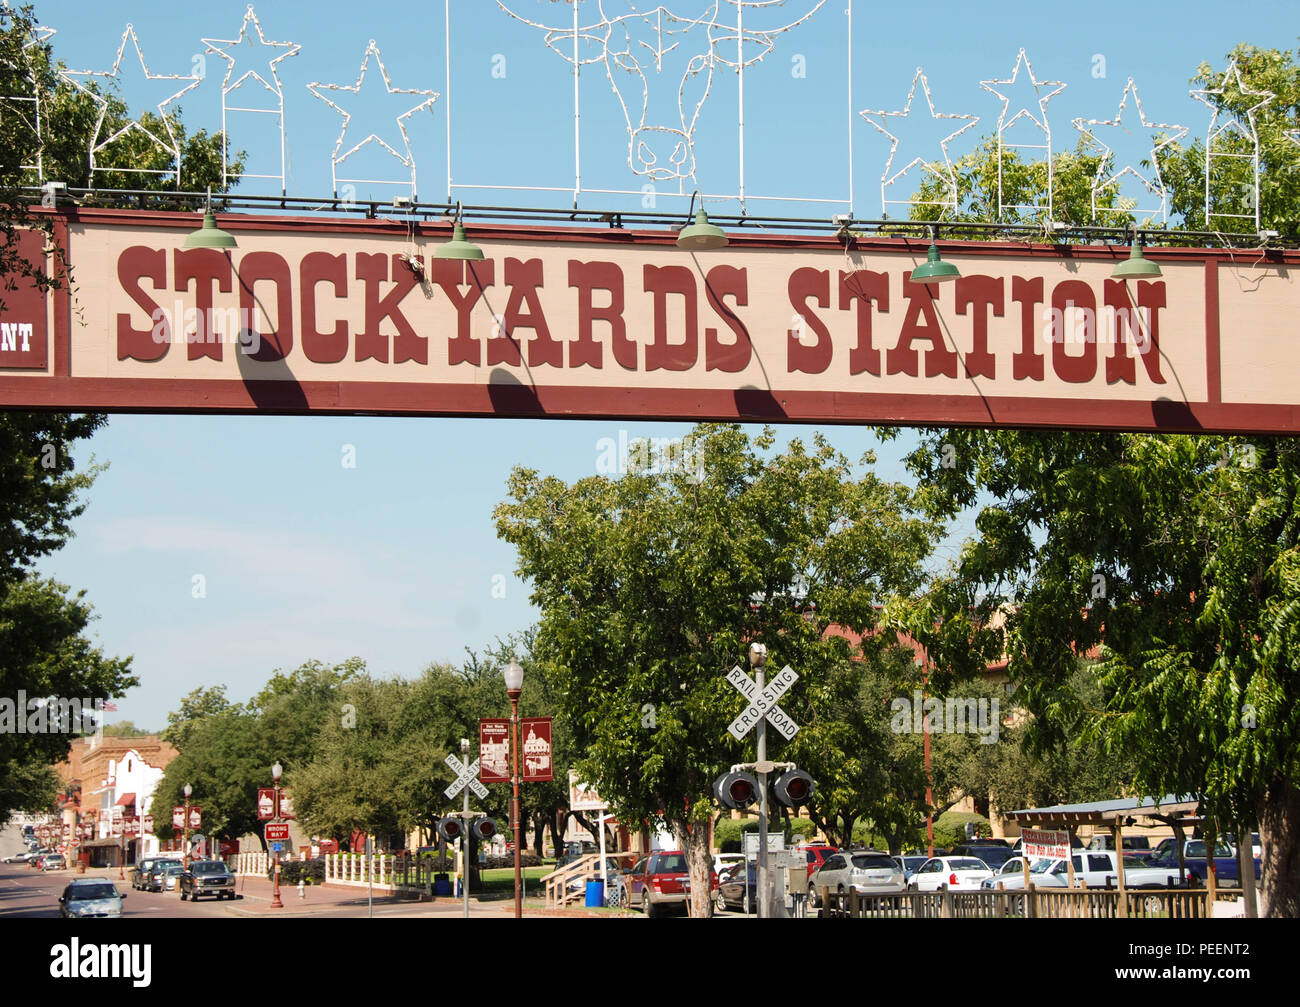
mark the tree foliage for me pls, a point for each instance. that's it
(653, 585)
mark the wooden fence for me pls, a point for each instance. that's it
(1053, 903)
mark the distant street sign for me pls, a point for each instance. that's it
(763, 704)
(148, 823)
(465, 776)
(775, 842)
(277, 831)
(265, 803)
(277, 848)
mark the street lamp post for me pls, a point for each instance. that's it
(514, 676)
(276, 770)
(185, 842)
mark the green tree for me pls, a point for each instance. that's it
(652, 586)
(45, 649)
(1176, 556)
(225, 759)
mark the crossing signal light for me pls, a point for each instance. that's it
(451, 829)
(483, 828)
(794, 788)
(736, 790)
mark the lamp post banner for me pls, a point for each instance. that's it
(355, 316)
(494, 750)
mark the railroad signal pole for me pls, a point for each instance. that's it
(466, 780)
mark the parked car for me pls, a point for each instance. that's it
(725, 861)
(90, 897)
(1226, 866)
(659, 881)
(1105, 841)
(20, 858)
(738, 888)
(910, 862)
(994, 853)
(207, 877)
(52, 862)
(868, 872)
(958, 874)
(153, 881)
(1015, 867)
(572, 851)
(817, 854)
(140, 872)
(171, 877)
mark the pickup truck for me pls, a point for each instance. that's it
(1226, 866)
(1094, 868)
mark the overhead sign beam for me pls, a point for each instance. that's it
(349, 316)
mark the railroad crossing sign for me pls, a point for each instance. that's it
(465, 775)
(763, 704)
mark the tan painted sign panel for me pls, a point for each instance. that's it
(358, 316)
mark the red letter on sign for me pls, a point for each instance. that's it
(799, 356)
(321, 267)
(588, 277)
(1027, 362)
(938, 358)
(205, 266)
(463, 348)
(720, 282)
(864, 286)
(407, 344)
(267, 266)
(983, 292)
(662, 281)
(133, 265)
(524, 278)
(1078, 295)
(1129, 323)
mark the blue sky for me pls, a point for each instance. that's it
(395, 560)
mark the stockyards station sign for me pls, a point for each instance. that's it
(358, 316)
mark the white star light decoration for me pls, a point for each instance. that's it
(1232, 122)
(253, 77)
(949, 176)
(407, 159)
(39, 34)
(1039, 120)
(1155, 183)
(96, 144)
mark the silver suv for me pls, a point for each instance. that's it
(867, 872)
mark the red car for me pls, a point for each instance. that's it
(817, 855)
(661, 880)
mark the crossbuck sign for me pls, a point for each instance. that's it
(465, 775)
(763, 704)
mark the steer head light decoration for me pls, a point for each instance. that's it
(682, 45)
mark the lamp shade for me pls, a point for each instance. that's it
(934, 269)
(210, 235)
(1136, 266)
(514, 676)
(459, 247)
(701, 235)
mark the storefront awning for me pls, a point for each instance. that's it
(125, 799)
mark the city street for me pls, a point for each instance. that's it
(30, 894)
